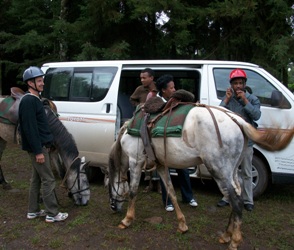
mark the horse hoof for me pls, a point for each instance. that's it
(224, 240)
(182, 231)
(6, 186)
(122, 226)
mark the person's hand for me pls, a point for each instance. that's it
(229, 94)
(241, 95)
(40, 158)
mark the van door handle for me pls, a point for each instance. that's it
(107, 107)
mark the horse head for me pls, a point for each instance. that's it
(77, 182)
(117, 179)
(118, 193)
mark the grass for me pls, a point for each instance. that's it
(269, 226)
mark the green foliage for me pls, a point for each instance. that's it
(291, 77)
(34, 32)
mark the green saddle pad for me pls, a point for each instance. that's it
(175, 120)
(5, 105)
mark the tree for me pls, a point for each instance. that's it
(38, 31)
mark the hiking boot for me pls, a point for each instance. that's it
(41, 213)
(56, 218)
(249, 207)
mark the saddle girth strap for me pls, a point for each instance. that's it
(146, 138)
(216, 126)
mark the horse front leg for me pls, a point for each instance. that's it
(135, 176)
(164, 175)
(130, 216)
(5, 184)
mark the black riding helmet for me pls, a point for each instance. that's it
(31, 73)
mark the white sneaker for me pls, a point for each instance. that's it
(193, 203)
(56, 218)
(35, 215)
(169, 208)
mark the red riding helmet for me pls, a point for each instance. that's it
(238, 73)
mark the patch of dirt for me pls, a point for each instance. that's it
(269, 226)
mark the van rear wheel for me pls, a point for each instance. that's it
(260, 177)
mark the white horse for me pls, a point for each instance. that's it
(65, 158)
(210, 135)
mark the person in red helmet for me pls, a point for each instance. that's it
(248, 106)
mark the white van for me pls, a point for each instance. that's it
(92, 98)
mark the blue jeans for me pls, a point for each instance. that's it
(185, 186)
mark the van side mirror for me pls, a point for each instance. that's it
(276, 99)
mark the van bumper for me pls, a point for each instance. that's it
(281, 178)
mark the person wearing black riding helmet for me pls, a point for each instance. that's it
(37, 139)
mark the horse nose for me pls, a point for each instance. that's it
(113, 207)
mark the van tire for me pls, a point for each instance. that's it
(260, 177)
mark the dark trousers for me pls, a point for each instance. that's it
(185, 186)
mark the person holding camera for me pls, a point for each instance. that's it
(248, 106)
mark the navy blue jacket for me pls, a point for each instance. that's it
(34, 127)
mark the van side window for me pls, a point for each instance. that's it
(57, 82)
(261, 87)
(81, 85)
(101, 84)
(78, 84)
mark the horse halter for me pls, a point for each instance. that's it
(77, 179)
(115, 200)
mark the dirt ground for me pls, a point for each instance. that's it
(269, 226)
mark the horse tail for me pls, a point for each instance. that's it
(271, 139)
(114, 160)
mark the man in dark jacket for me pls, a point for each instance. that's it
(36, 140)
(248, 106)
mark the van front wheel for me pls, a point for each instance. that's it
(260, 176)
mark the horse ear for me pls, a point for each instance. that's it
(86, 165)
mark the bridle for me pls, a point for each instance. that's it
(77, 179)
(115, 200)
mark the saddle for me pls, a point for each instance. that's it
(156, 105)
(9, 106)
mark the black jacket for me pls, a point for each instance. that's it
(34, 127)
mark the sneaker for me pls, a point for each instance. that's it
(169, 208)
(56, 218)
(35, 215)
(193, 203)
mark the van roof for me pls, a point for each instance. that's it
(145, 63)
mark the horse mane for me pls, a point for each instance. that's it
(114, 160)
(63, 140)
